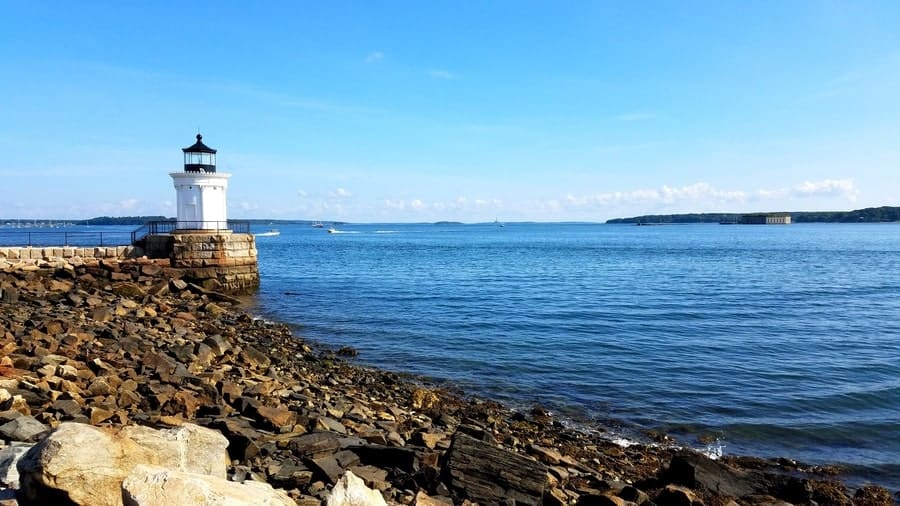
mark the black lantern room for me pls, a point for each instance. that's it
(199, 157)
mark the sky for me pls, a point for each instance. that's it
(451, 110)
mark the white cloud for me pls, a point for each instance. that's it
(374, 56)
(395, 204)
(341, 193)
(702, 193)
(302, 194)
(417, 204)
(246, 205)
(442, 74)
(827, 188)
(492, 203)
(128, 204)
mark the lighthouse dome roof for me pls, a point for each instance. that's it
(198, 147)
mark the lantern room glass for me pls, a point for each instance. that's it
(195, 158)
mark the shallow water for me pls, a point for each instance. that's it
(778, 340)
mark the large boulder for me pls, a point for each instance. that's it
(152, 486)
(87, 465)
(487, 474)
(189, 448)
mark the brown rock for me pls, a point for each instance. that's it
(424, 399)
(275, 418)
(674, 495)
(423, 499)
(128, 288)
(102, 314)
(100, 415)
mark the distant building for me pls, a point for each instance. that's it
(766, 219)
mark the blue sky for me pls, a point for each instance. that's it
(423, 111)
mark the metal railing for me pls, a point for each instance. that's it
(63, 238)
(169, 226)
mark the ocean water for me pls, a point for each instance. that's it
(779, 341)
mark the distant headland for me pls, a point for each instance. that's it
(867, 215)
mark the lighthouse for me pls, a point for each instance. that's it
(200, 190)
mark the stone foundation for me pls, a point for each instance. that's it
(219, 261)
(216, 260)
(28, 258)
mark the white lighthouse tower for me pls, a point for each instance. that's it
(200, 190)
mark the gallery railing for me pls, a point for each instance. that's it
(169, 226)
(45, 238)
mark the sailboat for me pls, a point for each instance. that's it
(317, 224)
(498, 223)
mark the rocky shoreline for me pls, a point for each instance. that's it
(107, 349)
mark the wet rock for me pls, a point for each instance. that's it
(487, 474)
(693, 470)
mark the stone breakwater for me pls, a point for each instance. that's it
(121, 383)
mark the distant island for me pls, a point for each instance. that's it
(867, 215)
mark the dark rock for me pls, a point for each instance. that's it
(348, 351)
(292, 475)
(23, 428)
(674, 495)
(484, 473)
(405, 459)
(9, 295)
(67, 407)
(328, 467)
(241, 437)
(632, 494)
(599, 500)
(693, 470)
(315, 444)
(255, 358)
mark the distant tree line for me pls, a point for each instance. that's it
(867, 215)
(122, 220)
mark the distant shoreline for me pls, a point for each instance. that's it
(884, 214)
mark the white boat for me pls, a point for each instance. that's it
(332, 230)
(268, 233)
(317, 224)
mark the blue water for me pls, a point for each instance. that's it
(778, 340)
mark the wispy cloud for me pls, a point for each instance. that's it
(341, 193)
(827, 188)
(442, 74)
(705, 193)
(374, 57)
(128, 204)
